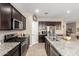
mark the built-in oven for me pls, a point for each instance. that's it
(17, 24)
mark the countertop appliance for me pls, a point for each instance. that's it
(13, 38)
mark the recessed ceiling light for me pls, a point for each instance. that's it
(68, 11)
(37, 10)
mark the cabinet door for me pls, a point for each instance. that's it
(53, 52)
(5, 19)
(41, 38)
(16, 14)
(14, 52)
(24, 22)
(47, 47)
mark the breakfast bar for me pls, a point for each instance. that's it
(64, 47)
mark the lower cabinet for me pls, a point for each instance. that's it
(14, 52)
(47, 47)
(53, 52)
(42, 38)
(25, 47)
(50, 50)
(23, 50)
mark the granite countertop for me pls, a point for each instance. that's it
(6, 47)
(65, 48)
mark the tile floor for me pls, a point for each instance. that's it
(37, 50)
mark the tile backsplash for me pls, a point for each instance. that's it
(2, 33)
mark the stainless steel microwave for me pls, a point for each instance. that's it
(17, 24)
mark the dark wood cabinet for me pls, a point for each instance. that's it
(53, 51)
(41, 38)
(47, 47)
(16, 14)
(14, 52)
(50, 50)
(25, 47)
(5, 16)
(24, 22)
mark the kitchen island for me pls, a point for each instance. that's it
(62, 47)
(6, 48)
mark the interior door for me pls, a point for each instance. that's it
(34, 32)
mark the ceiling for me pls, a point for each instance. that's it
(54, 9)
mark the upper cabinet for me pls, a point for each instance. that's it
(24, 22)
(21, 19)
(16, 14)
(7, 16)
